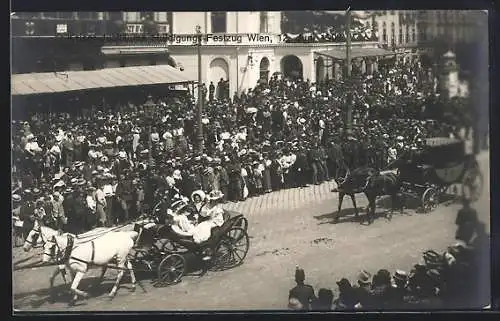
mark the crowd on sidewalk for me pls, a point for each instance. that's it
(97, 167)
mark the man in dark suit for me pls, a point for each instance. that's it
(125, 194)
(211, 91)
(304, 293)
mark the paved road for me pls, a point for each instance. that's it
(287, 228)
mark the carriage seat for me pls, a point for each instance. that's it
(187, 240)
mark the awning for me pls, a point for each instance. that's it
(40, 83)
(356, 53)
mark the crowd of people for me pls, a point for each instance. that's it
(307, 27)
(330, 34)
(456, 279)
(103, 166)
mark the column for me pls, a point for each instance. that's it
(363, 66)
(369, 66)
(375, 65)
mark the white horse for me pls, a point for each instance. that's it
(38, 236)
(78, 258)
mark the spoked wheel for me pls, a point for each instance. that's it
(231, 249)
(472, 184)
(170, 270)
(430, 200)
(157, 209)
(242, 223)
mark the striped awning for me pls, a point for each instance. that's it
(355, 53)
(41, 83)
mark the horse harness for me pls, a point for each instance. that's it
(69, 249)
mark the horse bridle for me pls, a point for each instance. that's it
(56, 251)
(38, 233)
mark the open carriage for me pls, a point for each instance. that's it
(171, 256)
(442, 163)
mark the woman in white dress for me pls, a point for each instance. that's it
(210, 215)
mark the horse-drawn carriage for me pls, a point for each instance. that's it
(442, 163)
(153, 246)
(171, 255)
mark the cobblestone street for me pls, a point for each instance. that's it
(286, 228)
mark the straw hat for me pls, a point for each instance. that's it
(215, 195)
(364, 278)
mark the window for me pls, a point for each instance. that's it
(384, 32)
(393, 33)
(392, 12)
(163, 28)
(408, 34)
(400, 34)
(132, 16)
(135, 28)
(160, 17)
(218, 22)
(413, 35)
(146, 15)
(263, 22)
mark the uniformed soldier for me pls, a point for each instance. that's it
(304, 293)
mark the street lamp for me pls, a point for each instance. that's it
(199, 136)
(348, 120)
(149, 108)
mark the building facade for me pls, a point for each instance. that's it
(454, 26)
(238, 47)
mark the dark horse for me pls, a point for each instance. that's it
(373, 184)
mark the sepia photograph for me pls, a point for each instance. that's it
(250, 160)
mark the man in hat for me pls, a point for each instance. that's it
(101, 205)
(363, 290)
(27, 212)
(302, 292)
(399, 291)
(90, 200)
(347, 297)
(125, 195)
(466, 214)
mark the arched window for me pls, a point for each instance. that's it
(393, 33)
(263, 22)
(218, 22)
(384, 32)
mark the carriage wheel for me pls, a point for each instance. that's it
(242, 223)
(156, 208)
(231, 250)
(430, 200)
(171, 269)
(472, 184)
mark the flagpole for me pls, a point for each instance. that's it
(348, 121)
